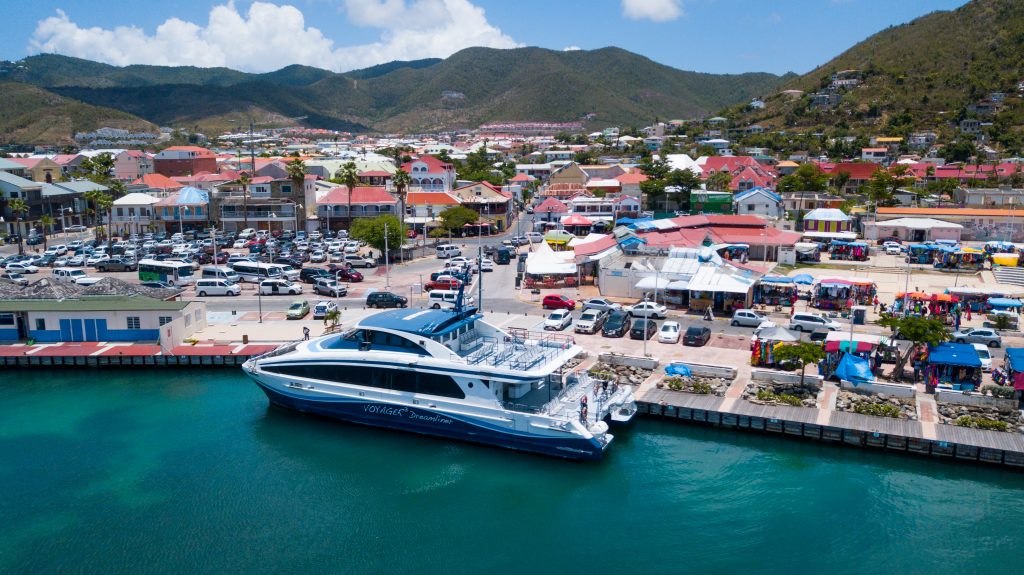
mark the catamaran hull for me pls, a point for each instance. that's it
(427, 422)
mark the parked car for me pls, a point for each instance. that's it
(117, 265)
(75, 229)
(56, 250)
(893, 249)
(94, 259)
(617, 325)
(558, 320)
(643, 328)
(318, 257)
(347, 274)
(486, 264)
(984, 355)
(22, 268)
(557, 301)
(648, 309)
(443, 282)
(746, 317)
(328, 286)
(322, 308)
(279, 287)
(208, 287)
(14, 278)
(601, 304)
(812, 322)
(380, 299)
(310, 275)
(669, 332)
(298, 310)
(358, 261)
(157, 285)
(76, 261)
(982, 335)
(591, 321)
(697, 335)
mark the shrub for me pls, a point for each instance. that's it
(998, 391)
(879, 409)
(700, 387)
(765, 395)
(981, 423)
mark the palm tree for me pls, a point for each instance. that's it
(401, 181)
(297, 174)
(19, 208)
(46, 221)
(839, 181)
(719, 181)
(244, 180)
(91, 196)
(350, 177)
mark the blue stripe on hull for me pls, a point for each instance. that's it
(430, 423)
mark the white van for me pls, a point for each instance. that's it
(535, 237)
(445, 251)
(217, 287)
(256, 271)
(441, 298)
(221, 273)
(69, 274)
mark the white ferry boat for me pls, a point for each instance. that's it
(449, 373)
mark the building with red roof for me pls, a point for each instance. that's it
(184, 161)
(367, 202)
(154, 184)
(131, 165)
(859, 173)
(550, 209)
(430, 174)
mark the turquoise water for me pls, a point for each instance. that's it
(188, 471)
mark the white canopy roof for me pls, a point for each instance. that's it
(920, 223)
(832, 235)
(653, 282)
(545, 261)
(723, 278)
(136, 199)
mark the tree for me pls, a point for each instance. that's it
(802, 354)
(455, 217)
(883, 184)
(19, 208)
(372, 231)
(807, 178)
(960, 151)
(652, 189)
(349, 175)
(918, 330)
(683, 182)
(401, 181)
(244, 179)
(46, 221)
(839, 181)
(719, 181)
(296, 173)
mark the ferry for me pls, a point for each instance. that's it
(448, 373)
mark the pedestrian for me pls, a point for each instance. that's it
(876, 304)
(968, 306)
(305, 333)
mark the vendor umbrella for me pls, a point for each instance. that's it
(804, 279)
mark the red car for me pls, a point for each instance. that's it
(411, 233)
(555, 301)
(345, 274)
(450, 283)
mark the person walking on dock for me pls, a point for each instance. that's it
(305, 333)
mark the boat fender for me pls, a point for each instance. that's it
(599, 428)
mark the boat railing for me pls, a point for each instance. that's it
(286, 348)
(542, 338)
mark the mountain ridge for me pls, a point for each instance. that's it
(470, 87)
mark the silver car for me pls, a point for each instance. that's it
(601, 304)
(981, 335)
(746, 317)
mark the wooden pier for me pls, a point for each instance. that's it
(838, 427)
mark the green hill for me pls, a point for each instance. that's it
(32, 115)
(473, 86)
(919, 75)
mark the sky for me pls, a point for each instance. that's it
(716, 36)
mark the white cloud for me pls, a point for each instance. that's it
(571, 49)
(270, 36)
(653, 10)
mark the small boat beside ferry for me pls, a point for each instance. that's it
(449, 373)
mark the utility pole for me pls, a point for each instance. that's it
(387, 272)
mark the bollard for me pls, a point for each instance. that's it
(245, 338)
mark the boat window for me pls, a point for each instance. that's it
(397, 380)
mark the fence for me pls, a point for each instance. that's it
(628, 360)
(786, 377)
(893, 389)
(961, 398)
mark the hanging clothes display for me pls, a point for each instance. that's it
(775, 290)
(838, 294)
(855, 251)
(953, 364)
(921, 253)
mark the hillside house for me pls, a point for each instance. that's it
(430, 174)
(131, 165)
(759, 202)
(367, 202)
(184, 161)
(40, 169)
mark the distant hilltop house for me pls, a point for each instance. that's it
(847, 79)
(452, 95)
(116, 135)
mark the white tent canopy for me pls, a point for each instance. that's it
(653, 282)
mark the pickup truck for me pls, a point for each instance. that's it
(116, 265)
(591, 321)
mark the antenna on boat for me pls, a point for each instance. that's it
(479, 278)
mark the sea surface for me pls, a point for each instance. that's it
(181, 471)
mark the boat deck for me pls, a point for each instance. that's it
(521, 350)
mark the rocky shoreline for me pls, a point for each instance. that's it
(623, 374)
(982, 417)
(696, 384)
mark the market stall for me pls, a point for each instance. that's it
(842, 250)
(839, 294)
(737, 252)
(764, 344)
(1006, 307)
(548, 269)
(807, 252)
(954, 364)
(775, 290)
(999, 247)
(966, 259)
(722, 288)
(921, 253)
(920, 303)
(976, 298)
(1013, 370)
(875, 349)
